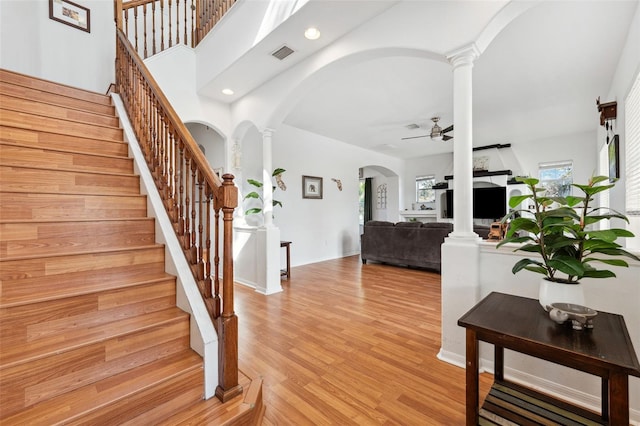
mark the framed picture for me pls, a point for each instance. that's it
(311, 187)
(71, 14)
(614, 158)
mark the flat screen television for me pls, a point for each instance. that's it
(488, 203)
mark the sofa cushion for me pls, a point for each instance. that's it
(378, 223)
(409, 224)
(438, 225)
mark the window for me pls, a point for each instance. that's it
(424, 189)
(632, 163)
(632, 144)
(556, 178)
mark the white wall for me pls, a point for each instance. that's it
(327, 228)
(33, 44)
(174, 71)
(580, 148)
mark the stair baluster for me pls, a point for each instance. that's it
(144, 100)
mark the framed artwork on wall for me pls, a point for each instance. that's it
(311, 187)
(71, 14)
(614, 158)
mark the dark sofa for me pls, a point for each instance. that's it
(407, 243)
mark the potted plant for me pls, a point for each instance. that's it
(255, 195)
(559, 230)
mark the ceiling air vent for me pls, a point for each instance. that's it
(283, 52)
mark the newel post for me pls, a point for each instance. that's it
(228, 386)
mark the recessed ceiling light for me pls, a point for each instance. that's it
(227, 91)
(312, 33)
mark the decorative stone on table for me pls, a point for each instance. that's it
(581, 317)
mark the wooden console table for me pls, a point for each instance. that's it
(520, 324)
(287, 271)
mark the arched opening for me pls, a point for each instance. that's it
(211, 143)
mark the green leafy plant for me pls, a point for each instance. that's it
(255, 195)
(559, 231)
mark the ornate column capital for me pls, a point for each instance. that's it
(465, 55)
(267, 132)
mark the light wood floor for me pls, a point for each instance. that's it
(351, 344)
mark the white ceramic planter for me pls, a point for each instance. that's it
(552, 292)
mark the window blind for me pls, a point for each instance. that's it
(632, 145)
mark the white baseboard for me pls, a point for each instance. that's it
(452, 358)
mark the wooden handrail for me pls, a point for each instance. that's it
(171, 22)
(190, 192)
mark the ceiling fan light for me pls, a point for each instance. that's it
(436, 137)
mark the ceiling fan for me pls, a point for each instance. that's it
(437, 132)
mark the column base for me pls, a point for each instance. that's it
(460, 283)
(268, 260)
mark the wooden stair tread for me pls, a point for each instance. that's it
(72, 406)
(53, 87)
(26, 179)
(62, 112)
(69, 143)
(67, 127)
(21, 291)
(25, 156)
(22, 206)
(68, 253)
(203, 411)
(28, 383)
(35, 319)
(151, 405)
(16, 90)
(43, 238)
(19, 352)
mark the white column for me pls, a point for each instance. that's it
(267, 189)
(460, 281)
(268, 235)
(235, 162)
(462, 61)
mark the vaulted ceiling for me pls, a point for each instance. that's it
(538, 78)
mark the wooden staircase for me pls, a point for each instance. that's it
(89, 329)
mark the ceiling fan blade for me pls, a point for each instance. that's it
(448, 129)
(414, 137)
(446, 137)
